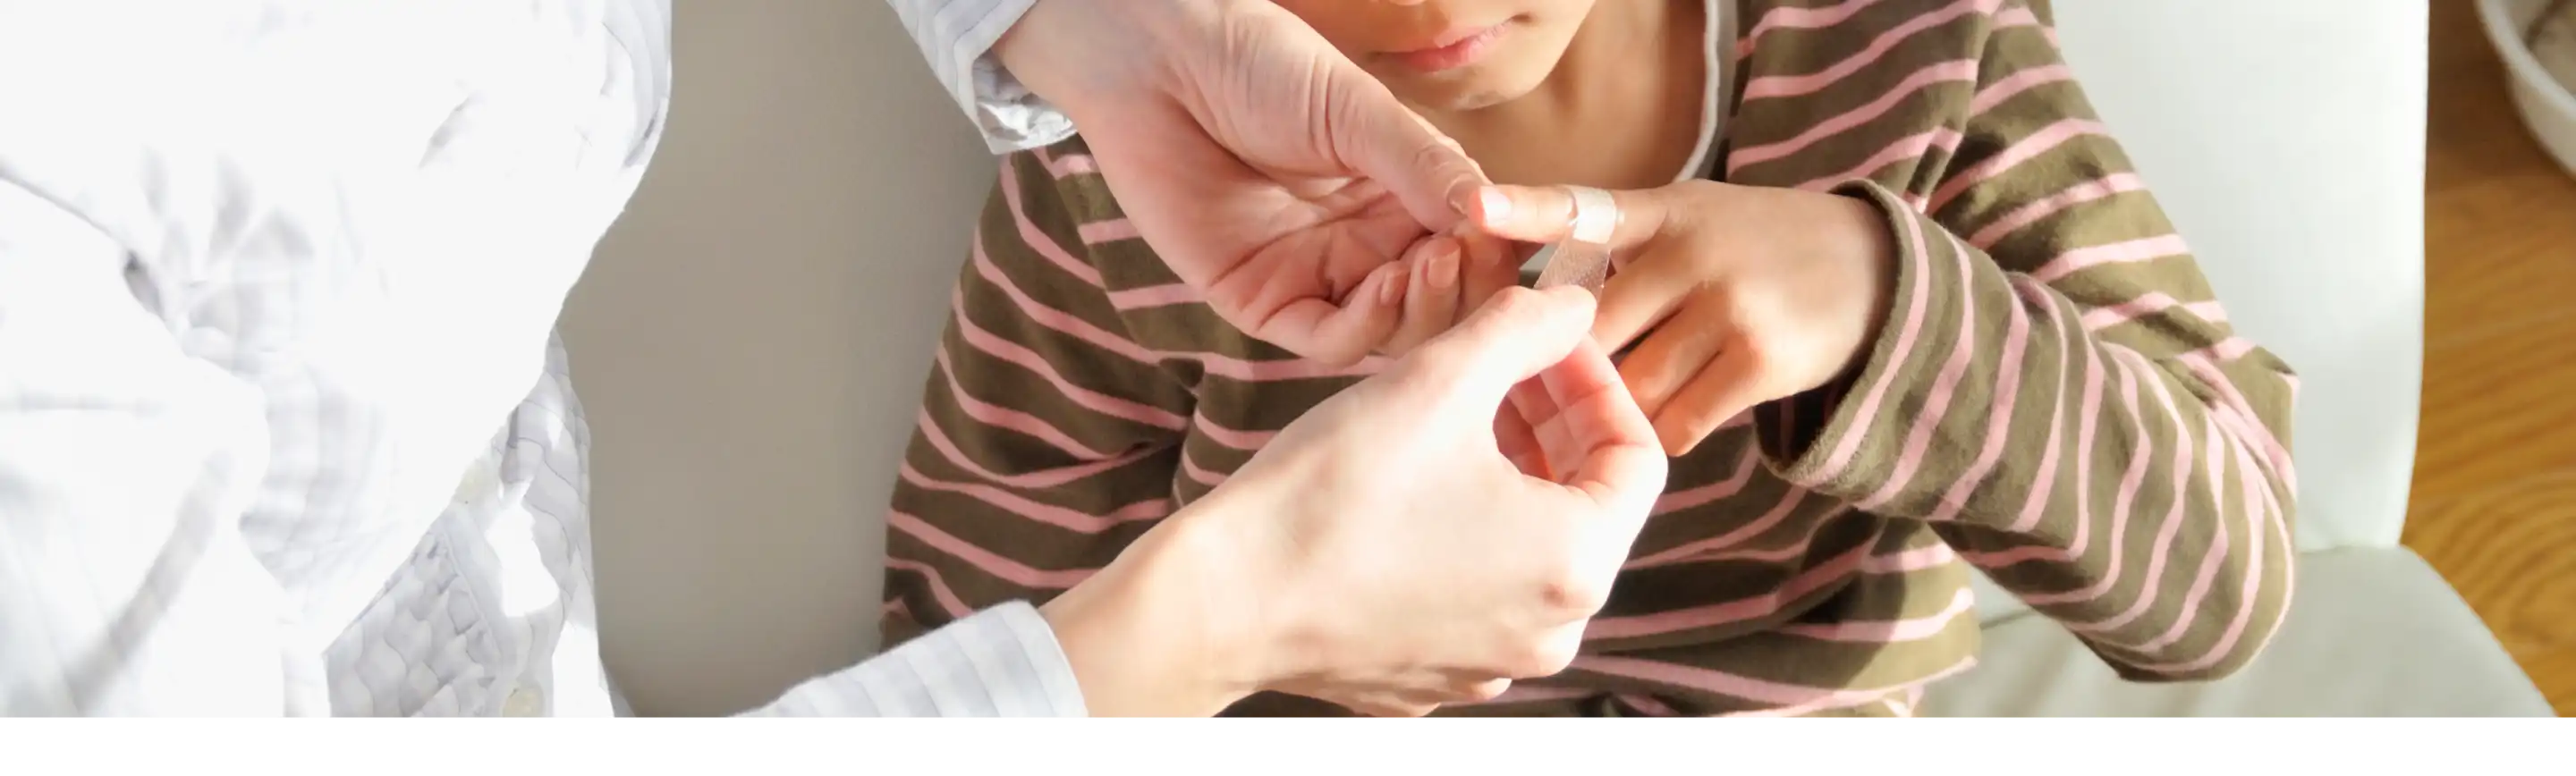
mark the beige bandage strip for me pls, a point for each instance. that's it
(1583, 258)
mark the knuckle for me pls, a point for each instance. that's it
(1756, 351)
(1486, 691)
(1559, 596)
(1547, 657)
(1436, 366)
(1388, 707)
(1435, 156)
(1511, 301)
(1569, 593)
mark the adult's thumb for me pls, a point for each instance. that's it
(1514, 336)
(1544, 214)
(1390, 144)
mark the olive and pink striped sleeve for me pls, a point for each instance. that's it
(2056, 391)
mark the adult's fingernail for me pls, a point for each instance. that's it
(1497, 208)
(1462, 201)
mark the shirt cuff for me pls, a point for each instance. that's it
(958, 38)
(1823, 439)
(1000, 662)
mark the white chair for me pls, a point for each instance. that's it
(2288, 144)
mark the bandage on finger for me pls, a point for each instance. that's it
(1583, 258)
(1572, 263)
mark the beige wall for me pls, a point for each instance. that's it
(771, 274)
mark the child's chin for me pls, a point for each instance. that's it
(1474, 92)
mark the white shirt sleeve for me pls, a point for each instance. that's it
(957, 37)
(125, 469)
(1000, 662)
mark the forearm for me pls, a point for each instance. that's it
(2128, 478)
(958, 39)
(1147, 636)
(2058, 391)
(993, 459)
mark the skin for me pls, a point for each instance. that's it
(1733, 296)
(1559, 94)
(1389, 573)
(1332, 206)
(1267, 171)
(1725, 296)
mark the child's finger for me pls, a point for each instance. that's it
(1729, 385)
(1431, 294)
(1676, 352)
(1343, 334)
(1640, 296)
(1491, 266)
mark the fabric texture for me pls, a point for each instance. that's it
(957, 38)
(283, 425)
(1001, 662)
(2427, 656)
(287, 430)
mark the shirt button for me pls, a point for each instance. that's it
(524, 702)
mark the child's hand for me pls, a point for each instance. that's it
(1446, 278)
(1743, 295)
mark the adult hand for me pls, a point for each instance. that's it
(1380, 553)
(1273, 175)
(1742, 295)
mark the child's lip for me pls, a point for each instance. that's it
(1453, 36)
(1453, 47)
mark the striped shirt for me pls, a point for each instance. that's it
(2056, 398)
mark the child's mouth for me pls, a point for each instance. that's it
(1458, 49)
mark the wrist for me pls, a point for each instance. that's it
(1064, 51)
(1025, 49)
(1867, 241)
(1160, 632)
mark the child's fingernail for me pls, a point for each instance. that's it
(1393, 291)
(1497, 208)
(1443, 269)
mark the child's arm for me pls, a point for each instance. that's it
(2057, 390)
(1047, 438)
(2036, 368)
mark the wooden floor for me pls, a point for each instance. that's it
(2495, 474)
